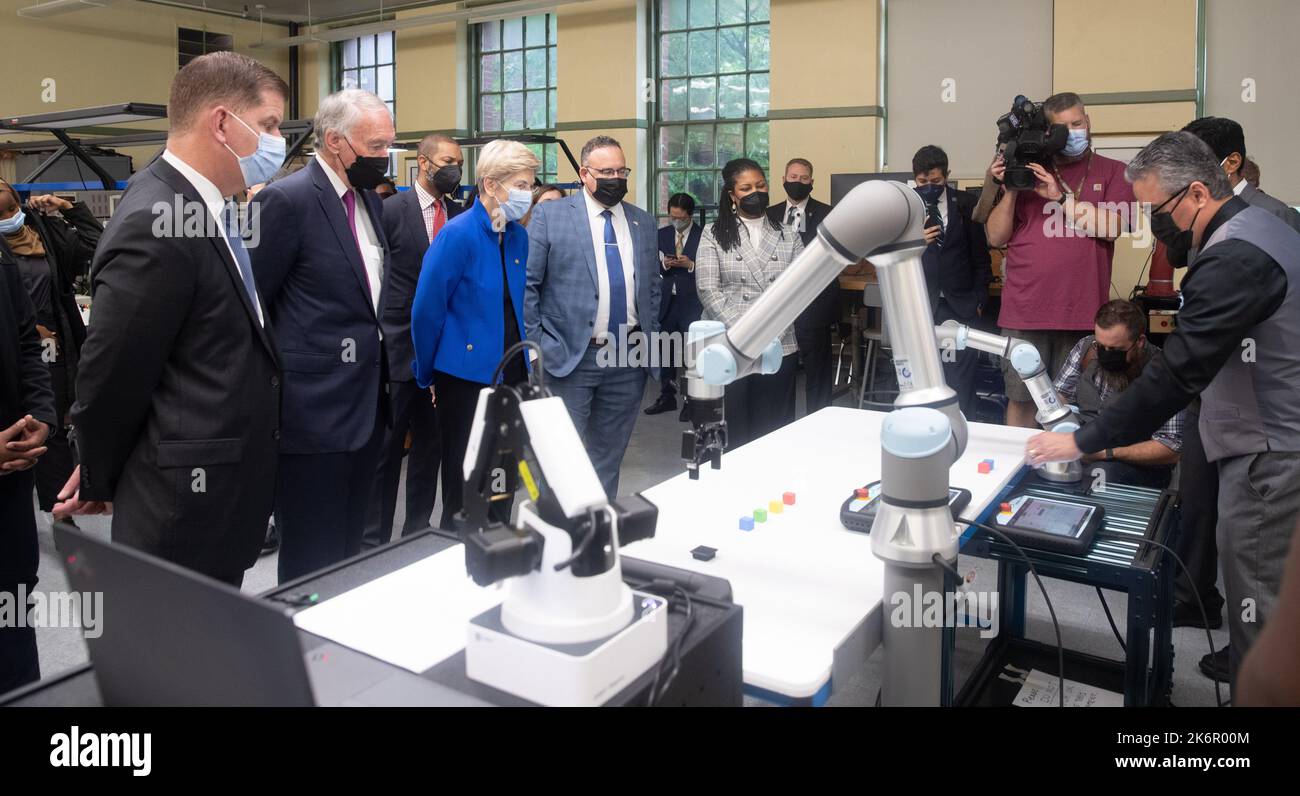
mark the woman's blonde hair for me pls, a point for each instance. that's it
(497, 161)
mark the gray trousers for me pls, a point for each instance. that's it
(1259, 501)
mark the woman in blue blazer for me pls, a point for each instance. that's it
(468, 306)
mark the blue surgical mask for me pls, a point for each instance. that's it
(262, 165)
(1076, 144)
(12, 224)
(517, 205)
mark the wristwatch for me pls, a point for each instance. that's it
(1110, 454)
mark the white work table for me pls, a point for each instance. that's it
(811, 590)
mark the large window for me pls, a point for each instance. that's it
(369, 63)
(713, 93)
(515, 81)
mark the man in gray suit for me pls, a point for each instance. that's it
(592, 291)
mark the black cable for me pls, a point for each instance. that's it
(673, 654)
(537, 368)
(1205, 617)
(582, 546)
(1060, 648)
(1133, 293)
(1114, 629)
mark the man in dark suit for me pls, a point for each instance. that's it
(679, 304)
(26, 416)
(812, 329)
(178, 394)
(412, 219)
(322, 274)
(956, 263)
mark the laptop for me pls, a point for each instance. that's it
(171, 636)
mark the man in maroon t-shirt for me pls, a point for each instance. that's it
(1060, 240)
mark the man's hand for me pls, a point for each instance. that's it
(48, 203)
(23, 444)
(1046, 185)
(997, 169)
(433, 397)
(70, 501)
(932, 234)
(1051, 446)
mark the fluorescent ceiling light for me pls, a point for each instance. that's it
(56, 7)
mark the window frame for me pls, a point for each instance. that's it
(550, 153)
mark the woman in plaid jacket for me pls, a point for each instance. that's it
(739, 256)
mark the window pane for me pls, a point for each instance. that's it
(385, 55)
(731, 12)
(704, 52)
(512, 111)
(489, 36)
(730, 142)
(489, 76)
(672, 147)
(349, 53)
(386, 87)
(703, 185)
(367, 80)
(731, 49)
(514, 70)
(758, 94)
(349, 80)
(537, 110)
(731, 97)
(536, 149)
(554, 24)
(674, 104)
(759, 47)
(673, 55)
(552, 109)
(756, 142)
(672, 14)
(512, 34)
(703, 97)
(555, 67)
(702, 14)
(392, 110)
(490, 112)
(536, 67)
(670, 182)
(552, 163)
(535, 30)
(758, 11)
(367, 50)
(699, 146)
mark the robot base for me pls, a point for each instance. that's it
(571, 675)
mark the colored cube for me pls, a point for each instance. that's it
(985, 467)
(788, 498)
(746, 523)
(760, 515)
(775, 507)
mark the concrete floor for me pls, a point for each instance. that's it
(653, 457)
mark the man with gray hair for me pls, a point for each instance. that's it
(1235, 346)
(320, 268)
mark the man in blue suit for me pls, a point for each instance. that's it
(679, 304)
(319, 267)
(956, 263)
(412, 219)
(593, 281)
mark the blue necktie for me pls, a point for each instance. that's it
(231, 219)
(617, 287)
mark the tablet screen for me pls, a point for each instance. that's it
(1049, 516)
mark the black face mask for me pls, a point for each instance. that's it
(753, 204)
(797, 191)
(1112, 360)
(446, 179)
(1178, 242)
(365, 172)
(610, 190)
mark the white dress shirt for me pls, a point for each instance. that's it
(1239, 187)
(754, 227)
(216, 205)
(625, 253)
(943, 207)
(372, 255)
(800, 213)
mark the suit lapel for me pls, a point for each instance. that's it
(582, 226)
(951, 227)
(178, 183)
(337, 217)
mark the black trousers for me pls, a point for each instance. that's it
(457, 399)
(758, 405)
(1198, 481)
(958, 366)
(320, 505)
(19, 557)
(55, 467)
(413, 411)
(818, 367)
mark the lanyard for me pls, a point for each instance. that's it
(1082, 182)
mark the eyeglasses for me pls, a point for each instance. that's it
(1151, 211)
(607, 173)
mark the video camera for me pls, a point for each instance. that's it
(1029, 139)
